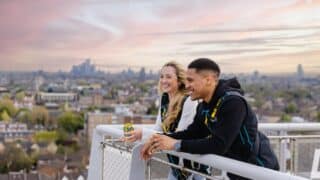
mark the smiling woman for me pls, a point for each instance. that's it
(176, 113)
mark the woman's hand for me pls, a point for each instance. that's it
(132, 136)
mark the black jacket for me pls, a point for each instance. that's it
(232, 134)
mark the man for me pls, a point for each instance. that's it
(224, 124)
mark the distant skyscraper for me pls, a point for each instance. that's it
(38, 81)
(84, 69)
(142, 74)
(256, 74)
(300, 72)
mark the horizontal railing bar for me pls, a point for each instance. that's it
(295, 137)
(289, 126)
(181, 167)
(272, 126)
(236, 167)
(126, 148)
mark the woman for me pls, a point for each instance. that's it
(176, 111)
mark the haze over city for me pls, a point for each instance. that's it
(269, 36)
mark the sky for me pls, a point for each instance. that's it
(242, 36)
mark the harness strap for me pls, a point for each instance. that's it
(220, 101)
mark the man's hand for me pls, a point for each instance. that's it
(155, 143)
(162, 142)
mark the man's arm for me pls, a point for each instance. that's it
(230, 118)
(195, 130)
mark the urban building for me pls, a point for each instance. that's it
(44, 97)
(85, 69)
(96, 118)
(14, 131)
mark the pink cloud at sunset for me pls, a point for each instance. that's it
(243, 35)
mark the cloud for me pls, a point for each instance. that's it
(147, 32)
(228, 52)
(22, 22)
(315, 67)
(40, 62)
(275, 62)
(280, 40)
(296, 6)
(73, 35)
(244, 30)
(229, 41)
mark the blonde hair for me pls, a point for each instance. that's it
(175, 104)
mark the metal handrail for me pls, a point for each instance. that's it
(289, 127)
(222, 163)
(180, 167)
(236, 167)
(295, 137)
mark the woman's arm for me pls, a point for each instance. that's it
(157, 128)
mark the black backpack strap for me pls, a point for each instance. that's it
(182, 104)
(221, 100)
(174, 124)
(164, 103)
(255, 151)
(179, 174)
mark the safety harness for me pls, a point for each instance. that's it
(264, 157)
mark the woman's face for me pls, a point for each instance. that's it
(168, 80)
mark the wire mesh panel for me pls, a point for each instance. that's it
(275, 145)
(158, 169)
(116, 163)
(303, 156)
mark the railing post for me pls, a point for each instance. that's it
(283, 148)
(148, 169)
(292, 157)
(95, 168)
(102, 162)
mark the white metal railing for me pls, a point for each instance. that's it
(218, 162)
(290, 143)
(285, 135)
(290, 127)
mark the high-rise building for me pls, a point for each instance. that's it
(84, 69)
(142, 74)
(300, 72)
(38, 81)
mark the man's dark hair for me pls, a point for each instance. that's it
(204, 64)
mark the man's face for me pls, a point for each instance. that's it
(195, 84)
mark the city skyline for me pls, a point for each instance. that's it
(242, 36)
